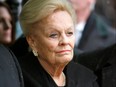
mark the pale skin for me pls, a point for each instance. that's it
(5, 26)
(82, 8)
(53, 39)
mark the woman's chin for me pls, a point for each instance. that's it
(66, 60)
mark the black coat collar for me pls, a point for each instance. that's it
(36, 75)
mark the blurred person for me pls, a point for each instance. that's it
(16, 6)
(91, 31)
(103, 63)
(49, 29)
(20, 42)
(7, 26)
(10, 72)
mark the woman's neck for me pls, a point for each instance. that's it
(55, 71)
(61, 80)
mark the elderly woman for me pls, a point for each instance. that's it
(49, 29)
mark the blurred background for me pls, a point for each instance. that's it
(106, 9)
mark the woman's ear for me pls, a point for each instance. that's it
(30, 41)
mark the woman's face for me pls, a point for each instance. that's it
(5, 26)
(54, 38)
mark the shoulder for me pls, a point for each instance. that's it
(3, 49)
(27, 59)
(81, 73)
(10, 72)
(79, 69)
(5, 53)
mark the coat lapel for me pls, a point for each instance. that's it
(90, 24)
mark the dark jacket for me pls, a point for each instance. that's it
(36, 76)
(10, 72)
(96, 35)
(103, 63)
(20, 47)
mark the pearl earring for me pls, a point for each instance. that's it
(35, 53)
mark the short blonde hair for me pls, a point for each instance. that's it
(36, 10)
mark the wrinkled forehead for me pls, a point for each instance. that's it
(58, 20)
(56, 17)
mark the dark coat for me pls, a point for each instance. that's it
(103, 63)
(96, 35)
(36, 76)
(10, 72)
(20, 47)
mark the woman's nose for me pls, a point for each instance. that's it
(64, 40)
(7, 25)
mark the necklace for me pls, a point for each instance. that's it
(64, 79)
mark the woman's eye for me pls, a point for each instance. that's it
(70, 33)
(53, 35)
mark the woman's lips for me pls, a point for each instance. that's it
(63, 51)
